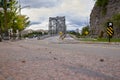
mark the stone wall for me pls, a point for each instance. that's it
(98, 19)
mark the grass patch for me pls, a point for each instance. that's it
(87, 39)
(100, 39)
(106, 40)
(83, 38)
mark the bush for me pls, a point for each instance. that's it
(102, 4)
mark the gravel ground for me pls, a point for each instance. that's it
(23, 60)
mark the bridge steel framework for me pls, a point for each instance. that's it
(57, 25)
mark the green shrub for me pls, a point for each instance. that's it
(116, 19)
(102, 4)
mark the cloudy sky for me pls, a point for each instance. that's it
(77, 12)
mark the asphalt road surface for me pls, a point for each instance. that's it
(56, 59)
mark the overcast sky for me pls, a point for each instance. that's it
(77, 12)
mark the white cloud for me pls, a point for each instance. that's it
(76, 12)
(43, 26)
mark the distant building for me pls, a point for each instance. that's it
(56, 25)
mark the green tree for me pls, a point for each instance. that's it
(10, 17)
(85, 30)
(14, 19)
(22, 22)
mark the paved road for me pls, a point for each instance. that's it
(55, 59)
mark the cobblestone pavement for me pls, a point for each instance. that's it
(41, 60)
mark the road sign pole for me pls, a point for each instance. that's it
(110, 30)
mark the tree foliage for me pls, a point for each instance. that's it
(15, 20)
(101, 3)
(1, 22)
(21, 22)
(85, 30)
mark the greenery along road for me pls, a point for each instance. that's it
(10, 17)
